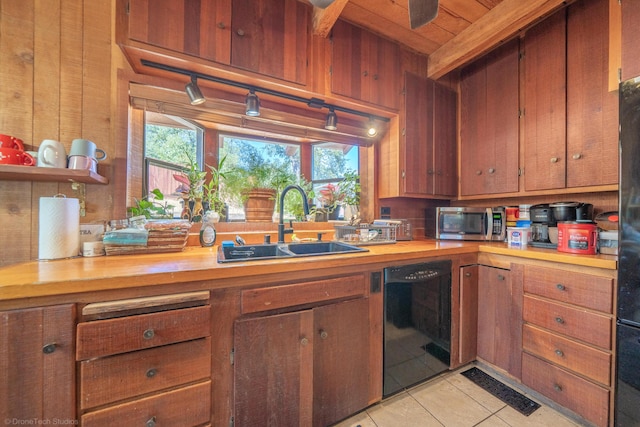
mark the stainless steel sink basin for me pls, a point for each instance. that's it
(291, 250)
(323, 248)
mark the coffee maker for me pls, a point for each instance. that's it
(542, 220)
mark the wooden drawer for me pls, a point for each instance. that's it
(124, 334)
(186, 406)
(577, 394)
(585, 290)
(110, 379)
(275, 297)
(591, 327)
(582, 359)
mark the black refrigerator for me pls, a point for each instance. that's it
(627, 405)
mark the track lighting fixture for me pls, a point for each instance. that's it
(253, 104)
(193, 92)
(332, 120)
(371, 128)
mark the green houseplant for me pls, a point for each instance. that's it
(152, 206)
(191, 187)
(212, 193)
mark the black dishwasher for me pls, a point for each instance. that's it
(417, 323)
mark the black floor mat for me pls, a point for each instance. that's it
(517, 401)
(438, 352)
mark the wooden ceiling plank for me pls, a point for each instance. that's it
(324, 19)
(499, 24)
(468, 10)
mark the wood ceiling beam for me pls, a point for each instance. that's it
(324, 19)
(498, 25)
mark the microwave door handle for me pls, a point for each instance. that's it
(488, 216)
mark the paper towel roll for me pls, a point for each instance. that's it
(59, 228)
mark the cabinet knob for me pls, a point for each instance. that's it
(375, 77)
(561, 287)
(577, 156)
(49, 348)
(221, 25)
(559, 320)
(554, 160)
(151, 422)
(240, 32)
(304, 342)
(151, 373)
(492, 170)
(559, 352)
(148, 334)
(467, 274)
(478, 172)
(365, 73)
(557, 387)
(323, 334)
(500, 277)
(430, 172)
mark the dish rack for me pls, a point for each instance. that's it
(365, 234)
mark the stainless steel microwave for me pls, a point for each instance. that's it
(466, 223)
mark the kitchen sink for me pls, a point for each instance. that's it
(276, 251)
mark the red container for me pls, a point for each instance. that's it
(577, 237)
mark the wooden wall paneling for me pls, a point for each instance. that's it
(630, 39)
(16, 98)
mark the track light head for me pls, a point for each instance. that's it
(371, 128)
(253, 104)
(332, 120)
(194, 93)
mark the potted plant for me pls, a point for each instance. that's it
(212, 200)
(191, 187)
(153, 206)
(350, 186)
(331, 196)
(255, 184)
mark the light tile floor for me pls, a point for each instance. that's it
(451, 400)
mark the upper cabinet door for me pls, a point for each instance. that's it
(489, 123)
(271, 37)
(364, 66)
(630, 39)
(545, 117)
(199, 28)
(592, 111)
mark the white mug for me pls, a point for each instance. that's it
(52, 154)
(84, 147)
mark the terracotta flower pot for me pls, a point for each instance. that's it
(260, 205)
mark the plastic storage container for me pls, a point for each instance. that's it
(577, 237)
(518, 237)
(608, 242)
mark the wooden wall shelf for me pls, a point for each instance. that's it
(32, 173)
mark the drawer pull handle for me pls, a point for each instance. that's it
(323, 334)
(577, 156)
(151, 373)
(561, 287)
(478, 172)
(304, 342)
(554, 160)
(492, 170)
(148, 334)
(49, 348)
(557, 387)
(467, 274)
(559, 320)
(559, 353)
(151, 422)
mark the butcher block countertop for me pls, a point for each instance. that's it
(197, 268)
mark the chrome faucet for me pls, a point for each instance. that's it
(305, 204)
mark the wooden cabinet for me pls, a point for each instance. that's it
(271, 38)
(37, 365)
(268, 37)
(198, 28)
(592, 111)
(489, 123)
(500, 319)
(427, 151)
(468, 313)
(630, 39)
(567, 339)
(153, 367)
(305, 367)
(365, 66)
(545, 116)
